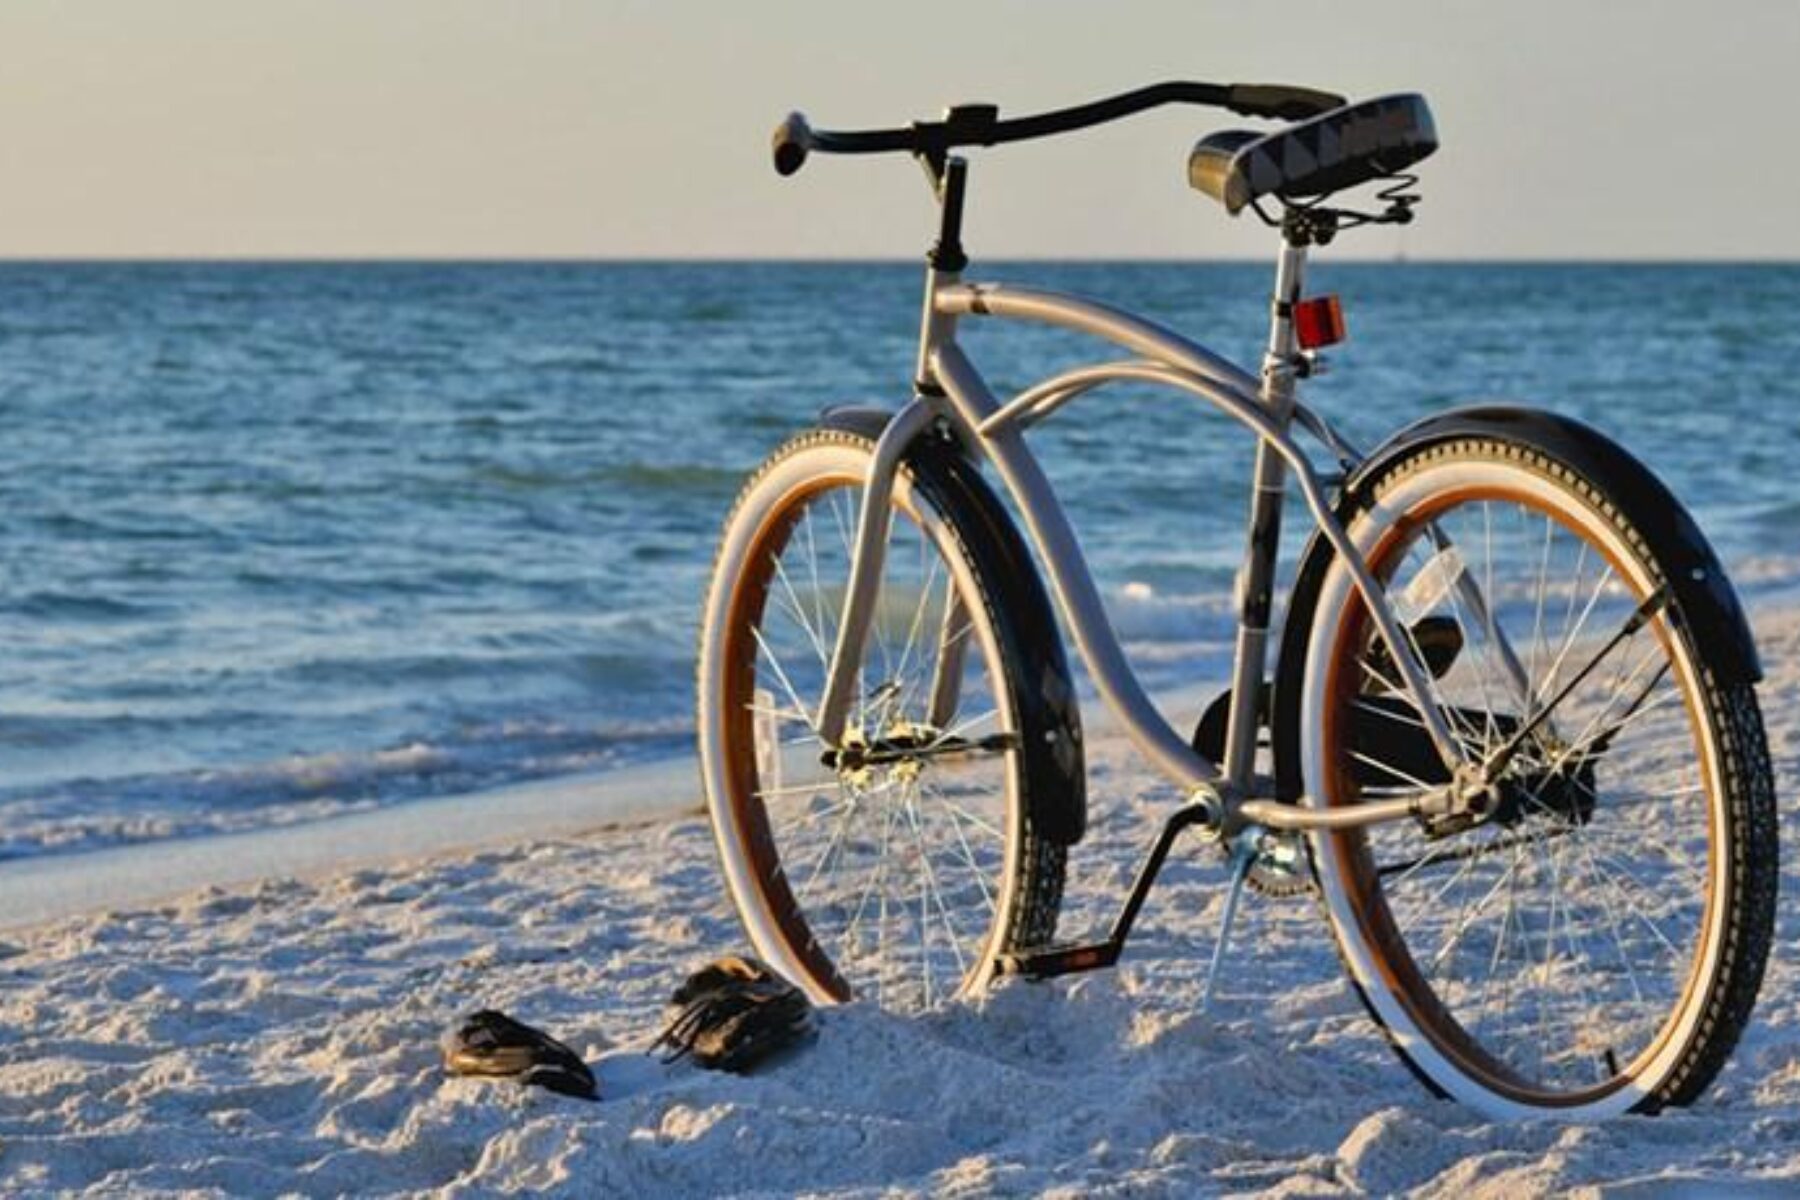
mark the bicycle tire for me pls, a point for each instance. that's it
(1435, 1025)
(953, 514)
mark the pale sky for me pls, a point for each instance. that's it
(610, 128)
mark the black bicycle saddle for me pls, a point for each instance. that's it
(1328, 153)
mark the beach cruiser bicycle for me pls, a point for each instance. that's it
(1509, 737)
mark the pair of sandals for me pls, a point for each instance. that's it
(730, 1015)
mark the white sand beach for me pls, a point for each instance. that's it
(281, 1036)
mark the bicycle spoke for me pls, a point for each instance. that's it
(828, 632)
(929, 875)
(797, 610)
(1385, 769)
(832, 845)
(1537, 624)
(975, 869)
(787, 714)
(781, 675)
(1569, 640)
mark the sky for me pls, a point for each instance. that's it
(618, 129)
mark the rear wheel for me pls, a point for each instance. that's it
(898, 871)
(1595, 943)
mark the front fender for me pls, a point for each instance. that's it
(1055, 773)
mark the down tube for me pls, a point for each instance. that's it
(1074, 587)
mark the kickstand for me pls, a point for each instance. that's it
(1241, 859)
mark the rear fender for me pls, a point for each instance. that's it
(1704, 602)
(1704, 598)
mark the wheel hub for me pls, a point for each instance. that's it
(1566, 793)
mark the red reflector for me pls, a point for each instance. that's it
(1319, 322)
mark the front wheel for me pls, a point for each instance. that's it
(1594, 943)
(899, 870)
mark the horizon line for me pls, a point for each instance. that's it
(848, 260)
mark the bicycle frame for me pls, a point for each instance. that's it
(952, 394)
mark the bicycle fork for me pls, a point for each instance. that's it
(868, 557)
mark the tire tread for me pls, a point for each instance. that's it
(1747, 782)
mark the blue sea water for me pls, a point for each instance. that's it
(281, 540)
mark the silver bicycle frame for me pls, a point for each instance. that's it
(952, 393)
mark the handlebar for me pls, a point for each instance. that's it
(980, 124)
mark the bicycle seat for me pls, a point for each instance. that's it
(1328, 153)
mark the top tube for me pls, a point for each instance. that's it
(1099, 319)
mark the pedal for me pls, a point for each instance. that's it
(1045, 962)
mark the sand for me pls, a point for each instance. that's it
(281, 1036)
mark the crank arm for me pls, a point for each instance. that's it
(1042, 962)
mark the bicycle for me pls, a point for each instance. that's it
(1510, 737)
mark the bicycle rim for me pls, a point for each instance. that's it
(892, 879)
(1560, 955)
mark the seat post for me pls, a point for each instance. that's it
(1255, 584)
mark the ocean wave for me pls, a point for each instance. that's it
(67, 606)
(1140, 613)
(78, 527)
(579, 363)
(89, 814)
(1783, 516)
(665, 477)
(708, 311)
(678, 477)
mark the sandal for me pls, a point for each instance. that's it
(492, 1044)
(734, 1013)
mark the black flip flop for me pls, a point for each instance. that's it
(493, 1045)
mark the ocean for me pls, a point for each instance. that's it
(279, 541)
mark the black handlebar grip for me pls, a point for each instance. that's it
(1280, 101)
(791, 141)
